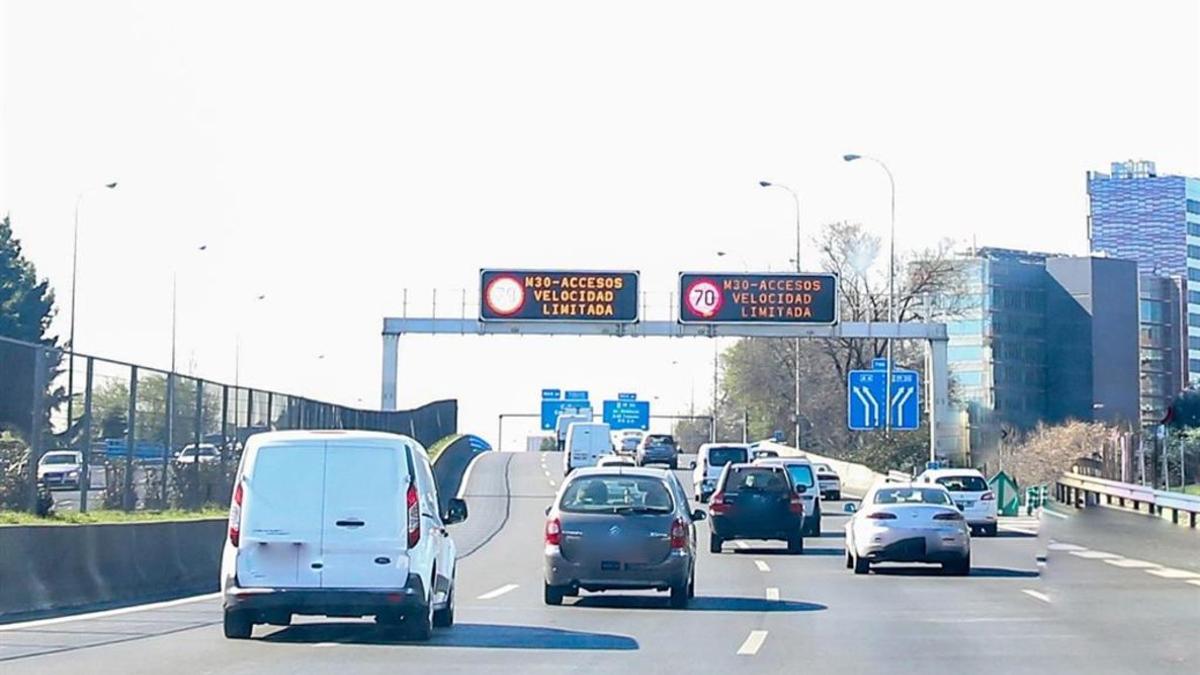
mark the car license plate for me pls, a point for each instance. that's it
(610, 566)
(965, 505)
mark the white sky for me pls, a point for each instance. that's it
(331, 154)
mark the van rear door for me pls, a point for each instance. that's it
(281, 517)
(365, 540)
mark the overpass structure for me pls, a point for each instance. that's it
(944, 436)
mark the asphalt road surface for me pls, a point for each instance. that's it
(756, 608)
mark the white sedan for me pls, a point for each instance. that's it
(908, 522)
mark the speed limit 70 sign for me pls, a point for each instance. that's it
(784, 298)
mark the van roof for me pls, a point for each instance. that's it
(942, 473)
(309, 435)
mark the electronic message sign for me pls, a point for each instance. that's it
(772, 298)
(557, 295)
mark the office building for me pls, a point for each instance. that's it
(1162, 338)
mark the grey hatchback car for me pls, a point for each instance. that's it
(621, 528)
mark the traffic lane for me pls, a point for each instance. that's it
(1129, 534)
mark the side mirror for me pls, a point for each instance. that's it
(456, 512)
(801, 489)
(699, 515)
(692, 465)
(850, 508)
(548, 509)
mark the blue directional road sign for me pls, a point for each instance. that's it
(878, 364)
(627, 397)
(551, 394)
(555, 404)
(576, 395)
(626, 414)
(866, 393)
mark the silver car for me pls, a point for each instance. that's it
(908, 522)
(620, 528)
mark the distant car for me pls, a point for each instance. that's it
(627, 441)
(587, 442)
(620, 528)
(60, 468)
(763, 453)
(658, 449)
(756, 501)
(971, 494)
(829, 481)
(914, 522)
(803, 475)
(207, 454)
(710, 461)
(615, 460)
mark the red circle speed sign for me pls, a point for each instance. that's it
(703, 298)
(504, 295)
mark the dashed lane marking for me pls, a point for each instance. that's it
(1194, 582)
(741, 544)
(493, 594)
(1036, 594)
(1094, 555)
(1172, 573)
(1059, 546)
(773, 594)
(1130, 563)
(1056, 514)
(754, 642)
(762, 566)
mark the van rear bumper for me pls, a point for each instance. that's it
(344, 602)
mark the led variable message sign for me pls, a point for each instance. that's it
(784, 298)
(556, 295)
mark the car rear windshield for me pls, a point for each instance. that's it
(723, 456)
(657, 439)
(616, 494)
(801, 474)
(911, 496)
(58, 459)
(756, 479)
(963, 483)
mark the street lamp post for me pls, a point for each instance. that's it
(891, 284)
(796, 342)
(175, 305)
(74, 276)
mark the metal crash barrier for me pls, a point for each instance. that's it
(1080, 491)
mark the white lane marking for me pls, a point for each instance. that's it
(552, 483)
(754, 641)
(492, 595)
(108, 612)
(741, 544)
(326, 644)
(1194, 582)
(773, 594)
(1056, 514)
(1022, 530)
(1131, 563)
(762, 566)
(1065, 547)
(1036, 594)
(1172, 573)
(1094, 555)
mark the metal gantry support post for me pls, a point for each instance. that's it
(937, 379)
(391, 361)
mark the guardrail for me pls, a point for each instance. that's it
(1079, 490)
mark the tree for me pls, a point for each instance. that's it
(26, 309)
(1048, 451)
(110, 406)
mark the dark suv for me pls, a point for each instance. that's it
(658, 449)
(756, 501)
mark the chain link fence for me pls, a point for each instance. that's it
(80, 432)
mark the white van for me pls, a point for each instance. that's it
(564, 422)
(587, 442)
(338, 523)
(710, 461)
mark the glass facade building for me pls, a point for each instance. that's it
(1139, 215)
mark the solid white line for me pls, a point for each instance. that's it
(1194, 582)
(1036, 594)
(108, 612)
(773, 594)
(762, 566)
(1131, 563)
(1022, 530)
(1094, 555)
(753, 643)
(491, 595)
(1172, 573)
(1056, 514)
(1055, 546)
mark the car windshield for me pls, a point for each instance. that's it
(911, 496)
(727, 455)
(759, 479)
(656, 439)
(59, 458)
(963, 483)
(616, 494)
(801, 474)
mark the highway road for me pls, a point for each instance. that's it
(756, 608)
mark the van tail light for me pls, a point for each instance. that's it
(717, 504)
(796, 505)
(553, 532)
(414, 516)
(948, 515)
(987, 496)
(235, 516)
(679, 534)
(881, 515)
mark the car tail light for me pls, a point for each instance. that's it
(553, 532)
(796, 505)
(414, 516)
(948, 515)
(717, 504)
(987, 496)
(235, 516)
(679, 534)
(881, 515)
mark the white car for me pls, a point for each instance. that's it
(970, 492)
(802, 473)
(616, 460)
(206, 454)
(710, 461)
(60, 468)
(829, 481)
(908, 522)
(338, 523)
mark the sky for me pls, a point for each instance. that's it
(338, 157)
